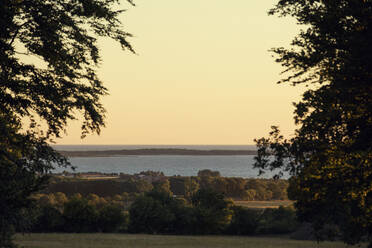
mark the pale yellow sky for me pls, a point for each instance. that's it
(203, 75)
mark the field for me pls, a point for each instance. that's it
(142, 241)
(263, 204)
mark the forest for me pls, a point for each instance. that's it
(152, 203)
(116, 184)
(154, 211)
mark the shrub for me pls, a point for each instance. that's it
(50, 219)
(111, 218)
(80, 216)
(212, 211)
(244, 221)
(151, 214)
(278, 221)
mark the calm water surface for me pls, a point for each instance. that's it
(228, 166)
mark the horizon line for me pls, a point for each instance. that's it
(153, 144)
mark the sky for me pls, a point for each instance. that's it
(203, 74)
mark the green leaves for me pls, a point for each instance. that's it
(60, 84)
(330, 155)
(63, 34)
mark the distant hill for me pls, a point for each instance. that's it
(157, 151)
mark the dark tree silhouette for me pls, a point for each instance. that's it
(212, 211)
(61, 84)
(330, 156)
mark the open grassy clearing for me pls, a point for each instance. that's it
(142, 241)
(263, 204)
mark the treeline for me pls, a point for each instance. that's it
(155, 212)
(235, 188)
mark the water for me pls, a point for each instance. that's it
(170, 165)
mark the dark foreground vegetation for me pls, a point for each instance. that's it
(155, 212)
(147, 203)
(329, 156)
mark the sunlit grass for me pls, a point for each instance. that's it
(142, 241)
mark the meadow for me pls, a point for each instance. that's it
(142, 241)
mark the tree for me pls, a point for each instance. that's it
(191, 186)
(61, 199)
(49, 219)
(212, 211)
(277, 221)
(244, 221)
(330, 155)
(80, 216)
(208, 173)
(111, 218)
(152, 213)
(61, 85)
(163, 186)
(23, 161)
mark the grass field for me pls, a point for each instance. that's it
(144, 241)
(263, 204)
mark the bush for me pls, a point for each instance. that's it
(244, 221)
(151, 214)
(306, 232)
(80, 216)
(50, 219)
(159, 212)
(303, 232)
(278, 221)
(208, 173)
(111, 218)
(212, 212)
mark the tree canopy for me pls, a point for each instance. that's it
(330, 155)
(60, 84)
(63, 36)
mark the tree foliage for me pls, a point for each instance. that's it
(24, 162)
(212, 211)
(155, 212)
(330, 155)
(63, 35)
(244, 221)
(59, 84)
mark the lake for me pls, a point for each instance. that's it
(170, 165)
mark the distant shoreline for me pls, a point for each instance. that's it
(157, 151)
